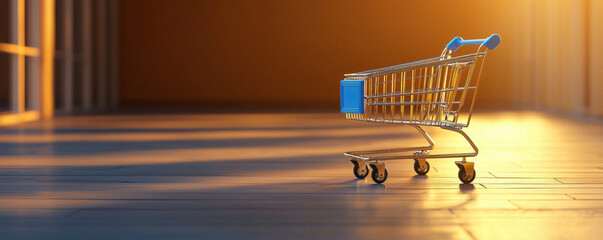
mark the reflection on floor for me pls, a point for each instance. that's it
(275, 176)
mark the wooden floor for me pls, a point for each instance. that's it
(283, 176)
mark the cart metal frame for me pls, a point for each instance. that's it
(432, 92)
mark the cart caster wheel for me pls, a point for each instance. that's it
(418, 169)
(379, 178)
(466, 178)
(361, 173)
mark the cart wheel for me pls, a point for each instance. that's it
(379, 178)
(418, 170)
(464, 178)
(361, 173)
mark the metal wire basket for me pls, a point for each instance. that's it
(437, 91)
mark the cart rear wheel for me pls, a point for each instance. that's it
(361, 173)
(418, 169)
(463, 176)
(379, 178)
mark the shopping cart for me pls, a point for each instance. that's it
(438, 92)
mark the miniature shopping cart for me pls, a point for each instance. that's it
(437, 92)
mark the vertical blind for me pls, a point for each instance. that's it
(559, 57)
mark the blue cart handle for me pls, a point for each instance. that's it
(490, 42)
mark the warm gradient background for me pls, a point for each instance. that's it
(274, 52)
(293, 53)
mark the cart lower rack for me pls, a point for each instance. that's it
(436, 92)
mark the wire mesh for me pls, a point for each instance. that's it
(430, 92)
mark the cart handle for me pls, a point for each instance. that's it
(490, 42)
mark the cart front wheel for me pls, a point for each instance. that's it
(379, 178)
(418, 169)
(466, 178)
(361, 173)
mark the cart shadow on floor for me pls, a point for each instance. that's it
(98, 146)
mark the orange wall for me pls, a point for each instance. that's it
(275, 51)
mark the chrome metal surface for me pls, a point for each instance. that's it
(424, 150)
(361, 164)
(422, 164)
(365, 155)
(380, 168)
(437, 91)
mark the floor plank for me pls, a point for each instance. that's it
(283, 176)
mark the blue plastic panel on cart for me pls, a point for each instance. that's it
(352, 96)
